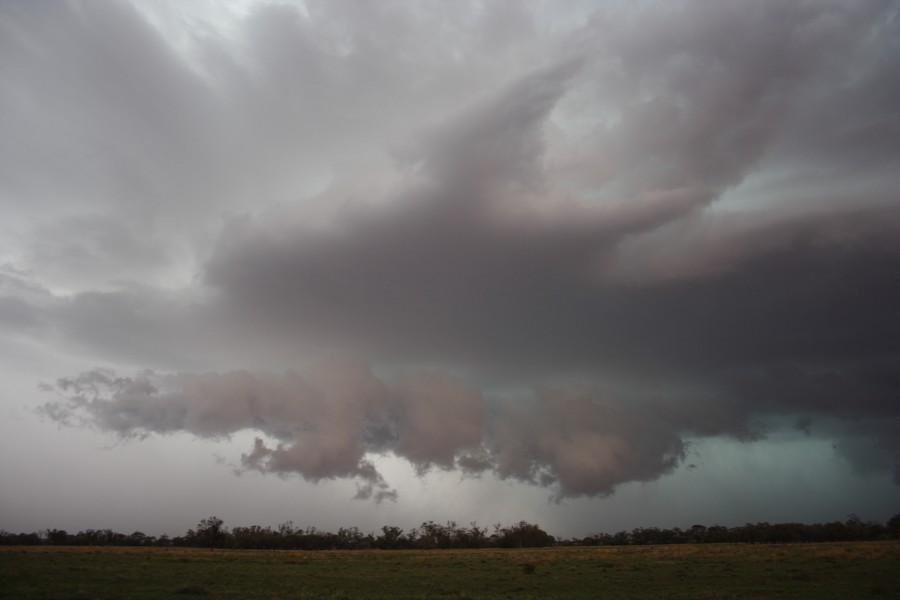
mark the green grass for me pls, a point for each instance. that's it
(840, 570)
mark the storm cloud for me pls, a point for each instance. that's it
(549, 244)
(329, 423)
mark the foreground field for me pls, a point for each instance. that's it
(838, 570)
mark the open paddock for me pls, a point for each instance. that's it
(721, 571)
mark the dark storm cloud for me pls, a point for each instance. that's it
(825, 283)
(462, 265)
(704, 339)
(460, 253)
(481, 261)
(550, 217)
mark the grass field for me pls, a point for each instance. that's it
(838, 570)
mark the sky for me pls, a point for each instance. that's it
(594, 265)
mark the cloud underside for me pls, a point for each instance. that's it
(329, 424)
(560, 228)
(579, 440)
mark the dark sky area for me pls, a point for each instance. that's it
(591, 264)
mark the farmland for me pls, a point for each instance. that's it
(836, 570)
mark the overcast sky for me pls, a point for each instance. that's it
(595, 265)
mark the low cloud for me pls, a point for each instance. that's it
(437, 417)
(585, 441)
(330, 422)
(577, 440)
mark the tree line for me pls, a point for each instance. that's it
(212, 533)
(853, 529)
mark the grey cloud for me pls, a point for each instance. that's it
(858, 402)
(135, 323)
(705, 92)
(866, 441)
(438, 417)
(544, 299)
(165, 134)
(499, 142)
(578, 440)
(22, 301)
(457, 252)
(706, 413)
(482, 260)
(484, 244)
(107, 249)
(552, 215)
(328, 422)
(135, 84)
(717, 366)
(138, 323)
(585, 440)
(140, 405)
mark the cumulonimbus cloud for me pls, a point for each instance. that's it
(558, 223)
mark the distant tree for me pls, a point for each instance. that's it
(856, 529)
(286, 529)
(523, 535)
(210, 532)
(475, 536)
(254, 537)
(428, 535)
(57, 537)
(893, 526)
(391, 538)
(351, 538)
(717, 533)
(139, 538)
(698, 533)
(620, 538)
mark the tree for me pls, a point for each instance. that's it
(210, 532)
(893, 526)
(698, 533)
(523, 535)
(475, 536)
(57, 537)
(139, 538)
(391, 537)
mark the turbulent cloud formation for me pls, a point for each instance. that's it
(329, 422)
(668, 221)
(587, 442)
(326, 423)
